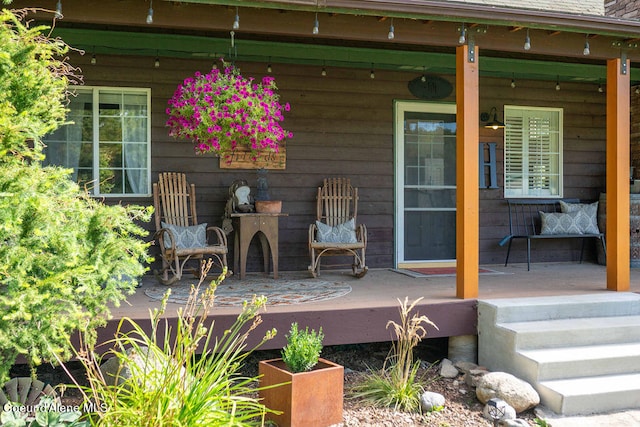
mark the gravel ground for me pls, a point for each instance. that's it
(462, 408)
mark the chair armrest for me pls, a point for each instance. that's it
(221, 237)
(361, 233)
(505, 240)
(159, 236)
(313, 231)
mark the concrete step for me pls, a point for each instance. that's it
(591, 394)
(582, 361)
(572, 306)
(572, 332)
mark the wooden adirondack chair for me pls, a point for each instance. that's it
(335, 232)
(179, 235)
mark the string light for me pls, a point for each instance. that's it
(269, 69)
(637, 90)
(156, 63)
(600, 88)
(372, 74)
(558, 83)
(513, 81)
(527, 41)
(150, 13)
(423, 79)
(587, 49)
(323, 73)
(316, 26)
(59, 9)
(236, 21)
(392, 33)
(463, 35)
(94, 61)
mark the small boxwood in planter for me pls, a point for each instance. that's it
(303, 348)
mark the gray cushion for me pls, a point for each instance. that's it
(341, 233)
(559, 223)
(587, 215)
(191, 237)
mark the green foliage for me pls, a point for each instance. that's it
(172, 385)
(63, 258)
(48, 413)
(540, 422)
(397, 384)
(303, 349)
(33, 86)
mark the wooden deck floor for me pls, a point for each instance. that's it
(361, 315)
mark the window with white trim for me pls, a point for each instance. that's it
(532, 151)
(108, 142)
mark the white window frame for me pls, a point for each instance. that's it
(533, 152)
(94, 188)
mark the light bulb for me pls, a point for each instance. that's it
(93, 59)
(150, 16)
(59, 9)
(423, 78)
(637, 90)
(527, 41)
(392, 32)
(600, 88)
(316, 26)
(463, 35)
(557, 86)
(372, 74)
(323, 73)
(269, 68)
(236, 21)
(156, 63)
(587, 50)
(513, 83)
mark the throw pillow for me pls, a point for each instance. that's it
(559, 223)
(587, 218)
(341, 233)
(194, 236)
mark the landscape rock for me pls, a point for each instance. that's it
(472, 377)
(498, 409)
(517, 393)
(447, 370)
(518, 422)
(431, 400)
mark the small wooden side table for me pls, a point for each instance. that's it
(247, 225)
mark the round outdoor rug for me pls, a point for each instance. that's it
(233, 292)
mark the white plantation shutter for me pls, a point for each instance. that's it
(532, 152)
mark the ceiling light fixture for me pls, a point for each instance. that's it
(392, 33)
(59, 10)
(236, 20)
(150, 13)
(463, 35)
(527, 41)
(316, 26)
(587, 49)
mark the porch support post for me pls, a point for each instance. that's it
(467, 169)
(617, 175)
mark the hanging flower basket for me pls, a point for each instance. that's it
(223, 112)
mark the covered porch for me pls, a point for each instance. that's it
(361, 315)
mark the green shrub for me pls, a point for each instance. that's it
(64, 257)
(171, 383)
(397, 384)
(303, 349)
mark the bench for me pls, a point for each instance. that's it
(525, 222)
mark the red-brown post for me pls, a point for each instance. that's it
(618, 162)
(467, 169)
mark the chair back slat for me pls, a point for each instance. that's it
(337, 201)
(174, 200)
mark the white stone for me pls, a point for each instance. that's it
(447, 370)
(431, 400)
(516, 392)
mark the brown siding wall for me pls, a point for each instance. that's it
(343, 126)
(627, 9)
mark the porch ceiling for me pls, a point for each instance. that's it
(440, 61)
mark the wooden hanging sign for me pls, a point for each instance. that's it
(242, 159)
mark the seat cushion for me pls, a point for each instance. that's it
(587, 217)
(341, 233)
(194, 236)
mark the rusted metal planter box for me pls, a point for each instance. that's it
(311, 399)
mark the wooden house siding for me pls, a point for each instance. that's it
(343, 126)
